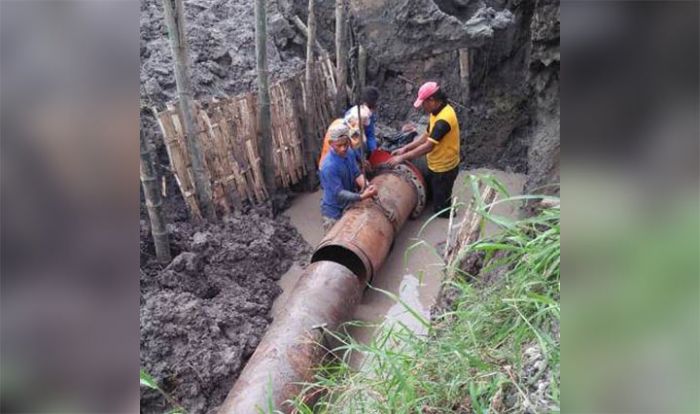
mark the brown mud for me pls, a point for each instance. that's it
(203, 315)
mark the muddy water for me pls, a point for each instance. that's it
(413, 269)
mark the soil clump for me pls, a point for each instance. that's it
(203, 315)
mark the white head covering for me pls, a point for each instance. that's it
(351, 115)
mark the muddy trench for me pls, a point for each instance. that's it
(202, 316)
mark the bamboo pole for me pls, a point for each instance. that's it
(464, 69)
(305, 31)
(310, 144)
(264, 117)
(341, 55)
(362, 66)
(175, 20)
(154, 202)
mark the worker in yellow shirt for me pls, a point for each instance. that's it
(440, 143)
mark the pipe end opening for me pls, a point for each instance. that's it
(342, 256)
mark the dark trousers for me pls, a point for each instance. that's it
(441, 188)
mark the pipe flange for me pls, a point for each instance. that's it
(408, 173)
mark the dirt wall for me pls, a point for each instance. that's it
(221, 37)
(509, 106)
(544, 65)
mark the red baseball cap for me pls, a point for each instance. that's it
(426, 91)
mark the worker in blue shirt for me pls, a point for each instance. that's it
(370, 96)
(341, 177)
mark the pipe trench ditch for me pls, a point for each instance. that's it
(204, 315)
(345, 260)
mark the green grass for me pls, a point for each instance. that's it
(495, 350)
(147, 381)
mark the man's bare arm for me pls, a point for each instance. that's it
(419, 150)
(424, 148)
(419, 140)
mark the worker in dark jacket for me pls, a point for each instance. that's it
(341, 178)
(440, 143)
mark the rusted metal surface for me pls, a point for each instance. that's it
(324, 297)
(415, 177)
(345, 260)
(408, 171)
(363, 231)
(368, 228)
(397, 195)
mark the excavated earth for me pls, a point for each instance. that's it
(203, 315)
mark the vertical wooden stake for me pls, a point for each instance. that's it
(154, 203)
(362, 66)
(175, 20)
(464, 68)
(266, 144)
(341, 55)
(310, 144)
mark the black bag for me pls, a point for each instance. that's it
(396, 141)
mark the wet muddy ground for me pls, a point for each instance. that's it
(413, 269)
(203, 315)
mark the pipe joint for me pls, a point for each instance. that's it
(347, 257)
(409, 173)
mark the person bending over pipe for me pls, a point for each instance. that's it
(440, 142)
(340, 177)
(370, 97)
(354, 141)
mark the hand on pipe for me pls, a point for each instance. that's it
(370, 191)
(394, 161)
(398, 151)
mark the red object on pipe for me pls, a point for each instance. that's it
(379, 157)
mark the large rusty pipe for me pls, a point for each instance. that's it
(322, 299)
(367, 230)
(325, 295)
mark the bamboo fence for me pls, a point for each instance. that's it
(229, 140)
